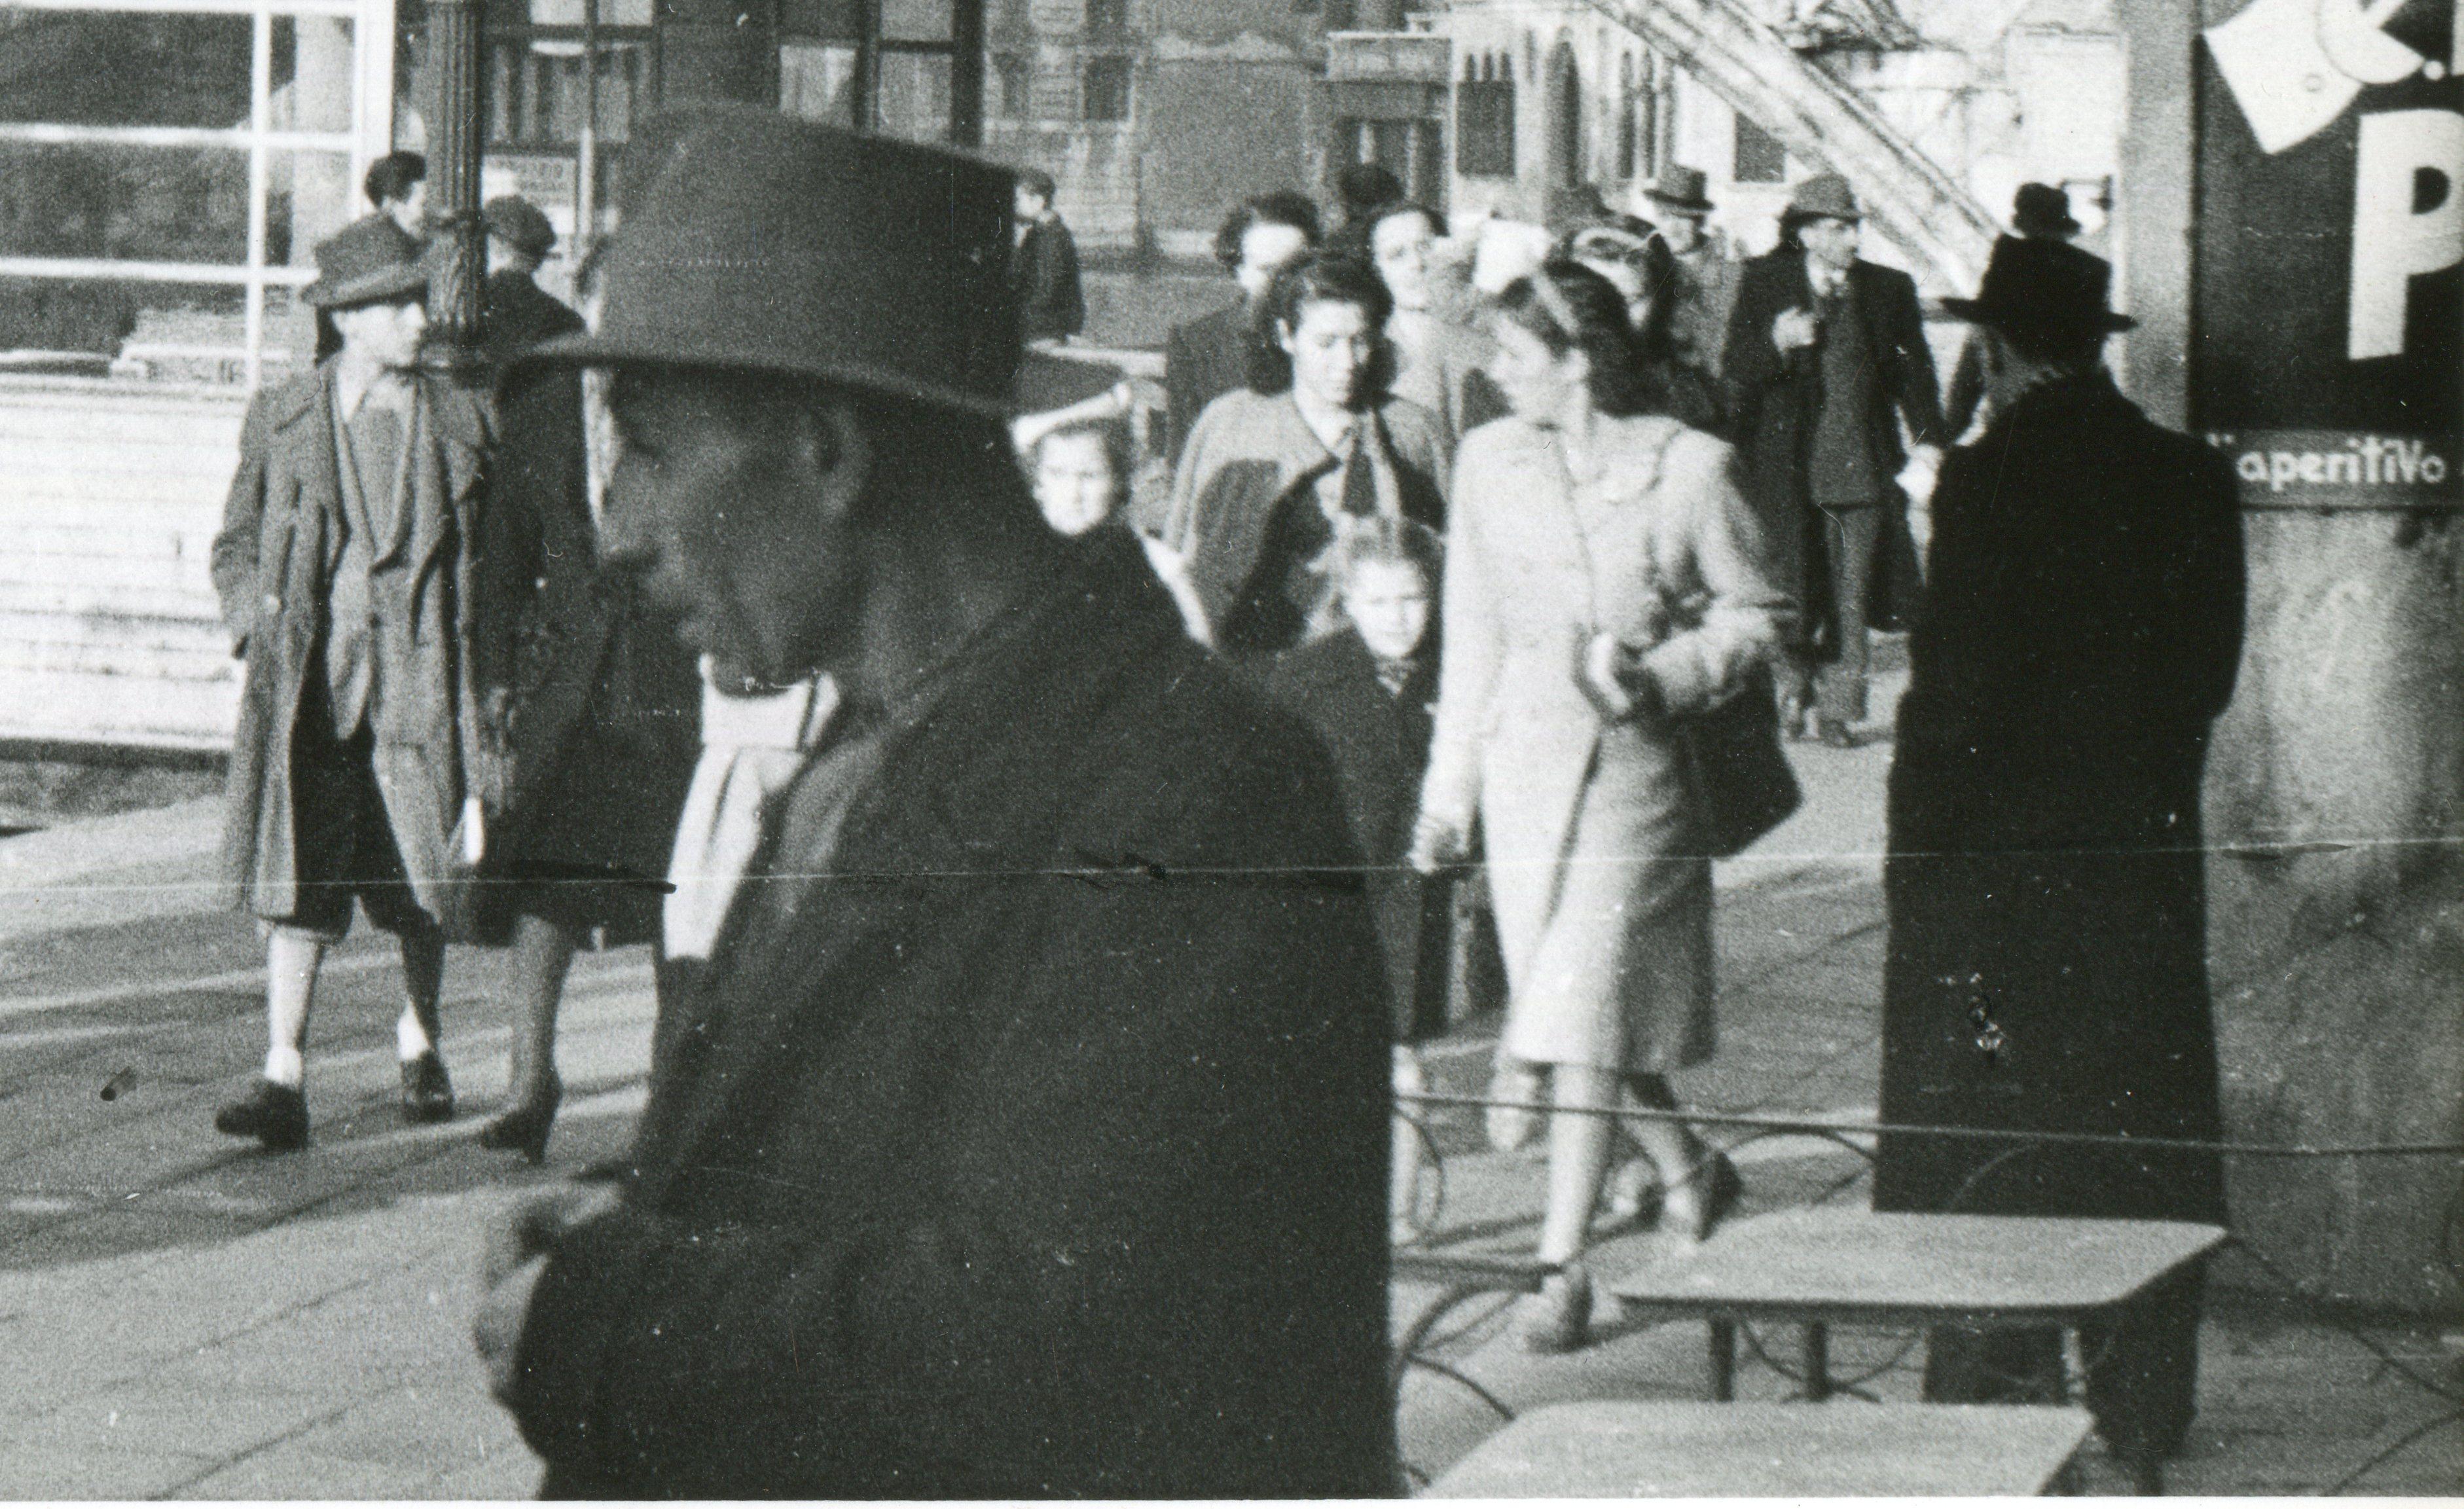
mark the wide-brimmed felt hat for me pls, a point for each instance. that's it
(2042, 209)
(1683, 190)
(1825, 197)
(2049, 286)
(368, 261)
(755, 241)
(520, 224)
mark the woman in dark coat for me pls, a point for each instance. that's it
(601, 713)
(2047, 966)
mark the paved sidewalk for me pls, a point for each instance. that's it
(183, 1317)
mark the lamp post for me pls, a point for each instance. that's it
(457, 131)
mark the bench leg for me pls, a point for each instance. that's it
(1817, 1361)
(1723, 1360)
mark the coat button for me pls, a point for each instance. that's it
(272, 603)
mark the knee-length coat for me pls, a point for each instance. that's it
(2047, 963)
(273, 566)
(1602, 893)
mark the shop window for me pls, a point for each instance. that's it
(136, 231)
(536, 90)
(1760, 158)
(1485, 118)
(1108, 20)
(1105, 89)
(1013, 87)
(816, 82)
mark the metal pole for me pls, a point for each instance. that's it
(457, 133)
(585, 152)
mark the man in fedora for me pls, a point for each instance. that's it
(2038, 212)
(1024, 1134)
(345, 570)
(516, 313)
(1826, 361)
(2047, 959)
(1703, 285)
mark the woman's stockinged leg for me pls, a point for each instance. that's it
(1578, 1157)
(535, 972)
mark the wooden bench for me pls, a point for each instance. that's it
(1604, 1450)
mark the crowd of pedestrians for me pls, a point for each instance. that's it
(1032, 997)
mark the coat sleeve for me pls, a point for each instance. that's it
(235, 563)
(1696, 668)
(1180, 1110)
(1915, 389)
(1471, 647)
(1749, 362)
(1181, 403)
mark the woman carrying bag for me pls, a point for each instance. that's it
(1605, 587)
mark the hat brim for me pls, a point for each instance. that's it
(1977, 312)
(1037, 373)
(1699, 207)
(368, 288)
(1793, 215)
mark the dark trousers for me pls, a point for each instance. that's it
(1836, 688)
(2143, 1371)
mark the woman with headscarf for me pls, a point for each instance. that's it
(1603, 582)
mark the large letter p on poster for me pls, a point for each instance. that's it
(2407, 220)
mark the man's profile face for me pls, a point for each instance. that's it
(729, 503)
(410, 210)
(385, 334)
(1682, 232)
(1265, 250)
(1027, 205)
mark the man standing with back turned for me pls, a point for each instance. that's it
(2048, 931)
(1026, 1134)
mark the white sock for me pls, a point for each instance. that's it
(283, 1066)
(409, 1038)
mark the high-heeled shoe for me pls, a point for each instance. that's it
(426, 1093)
(524, 1128)
(1632, 1199)
(1559, 1316)
(1693, 1207)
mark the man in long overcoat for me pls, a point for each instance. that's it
(345, 574)
(1207, 357)
(2047, 963)
(1826, 360)
(1025, 1134)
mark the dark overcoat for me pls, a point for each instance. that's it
(1379, 742)
(1774, 401)
(1043, 278)
(2047, 962)
(273, 566)
(1203, 359)
(601, 706)
(1036, 1147)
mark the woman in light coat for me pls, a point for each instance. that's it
(1603, 580)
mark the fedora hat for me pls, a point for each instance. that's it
(519, 223)
(1825, 197)
(368, 261)
(1681, 190)
(755, 241)
(2042, 209)
(2043, 286)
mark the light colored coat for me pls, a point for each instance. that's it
(1603, 896)
(273, 566)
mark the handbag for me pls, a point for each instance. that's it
(1742, 782)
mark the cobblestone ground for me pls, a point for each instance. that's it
(180, 1318)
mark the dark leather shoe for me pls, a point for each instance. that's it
(426, 1095)
(523, 1128)
(276, 1115)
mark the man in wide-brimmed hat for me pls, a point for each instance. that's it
(2038, 212)
(1704, 285)
(1826, 362)
(1024, 1132)
(343, 565)
(2047, 962)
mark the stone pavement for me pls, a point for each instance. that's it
(183, 1317)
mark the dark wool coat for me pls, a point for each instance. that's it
(1379, 742)
(273, 565)
(2047, 965)
(602, 705)
(1043, 278)
(1203, 359)
(1039, 1149)
(1774, 401)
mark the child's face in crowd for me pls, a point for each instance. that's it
(1074, 484)
(1389, 604)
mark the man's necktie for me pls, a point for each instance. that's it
(751, 750)
(1359, 474)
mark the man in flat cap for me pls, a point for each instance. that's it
(1826, 361)
(1024, 1134)
(2047, 965)
(344, 570)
